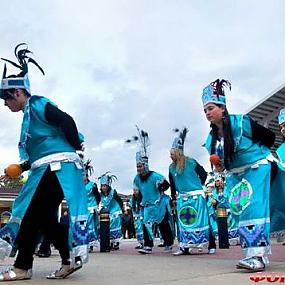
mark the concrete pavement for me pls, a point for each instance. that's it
(127, 267)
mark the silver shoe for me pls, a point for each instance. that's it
(254, 263)
(11, 275)
(64, 271)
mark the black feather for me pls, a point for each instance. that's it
(183, 134)
(23, 60)
(4, 71)
(110, 178)
(88, 167)
(219, 86)
(12, 62)
(16, 48)
(142, 139)
(36, 64)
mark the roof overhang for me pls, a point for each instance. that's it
(266, 112)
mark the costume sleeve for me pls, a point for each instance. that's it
(64, 121)
(262, 134)
(163, 186)
(25, 165)
(96, 193)
(201, 172)
(172, 186)
(118, 199)
(273, 172)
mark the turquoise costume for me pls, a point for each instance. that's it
(45, 146)
(156, 205)
(281, 154)
(248, 186)
(212, 215)
(277, 197)
(187, 190)
(109, 203)
(223, 202)
(137, 211)
(115, 212)
(154, 202)
(93, 217)
(192, 214)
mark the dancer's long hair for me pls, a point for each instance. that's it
(181, 160)
(228, 138)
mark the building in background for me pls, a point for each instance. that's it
(266, 112)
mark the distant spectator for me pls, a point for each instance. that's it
(127, 225)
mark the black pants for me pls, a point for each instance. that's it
(41, 217)
(125, 229)
(165, 231)
(223, 232)
(212, 241)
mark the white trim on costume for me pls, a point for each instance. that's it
(55, 158)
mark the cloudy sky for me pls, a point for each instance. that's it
(113, 64)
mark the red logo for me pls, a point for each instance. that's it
(270, 277)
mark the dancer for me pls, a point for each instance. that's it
(156, 207)
(111, 202)
(48, 144)
(243, 146)
(93, 198)
(137, 211)
(281, 149)
(221, 201)
(213, 226)
(277, 196)
(186, 178)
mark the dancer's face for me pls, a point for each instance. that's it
(214, 113)
(219, 183)
(140, 168)
(136, 192)
(282, 129)
(104, 188)
(17, 101)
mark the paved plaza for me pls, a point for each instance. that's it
(127, 267)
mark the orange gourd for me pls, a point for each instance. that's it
(215, 159)
(13, 171)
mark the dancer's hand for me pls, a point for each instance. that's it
(217, 162)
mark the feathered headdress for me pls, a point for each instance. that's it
(21, 80)
(142, 140)
(107, 178)
(215, 93)
(178, 142)
(88, 168)
(219, 176)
